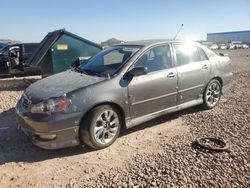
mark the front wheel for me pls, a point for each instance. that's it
(212, 94)
(101, 127)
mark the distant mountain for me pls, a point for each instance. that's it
(111, 42)
(8, 41)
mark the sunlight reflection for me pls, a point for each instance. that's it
(188, 48)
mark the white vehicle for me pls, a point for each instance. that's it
(223, 46)
(214, 47)
(245, 46)
(232, 46)
(238, 46)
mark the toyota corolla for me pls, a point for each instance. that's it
(121, 87)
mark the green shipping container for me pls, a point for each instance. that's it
(59, 50)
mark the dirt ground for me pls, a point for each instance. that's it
(138, 158)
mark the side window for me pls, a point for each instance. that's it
(151, 55)
(186, 53)
(202, 54)
(157, 58)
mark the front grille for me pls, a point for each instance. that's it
(25, 102)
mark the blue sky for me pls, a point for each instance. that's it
(98, 20)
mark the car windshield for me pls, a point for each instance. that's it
(109, 61)
(2, 47)
(4, 51)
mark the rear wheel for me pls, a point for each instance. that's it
(212, 94)
(101, 127)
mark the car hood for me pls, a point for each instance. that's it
(59, 84)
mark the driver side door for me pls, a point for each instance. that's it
(156, 90)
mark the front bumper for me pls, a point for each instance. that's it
(62, 128)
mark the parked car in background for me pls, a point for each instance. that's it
(238, 46)
(2, 45)
(245, 46)
(214, 47)
(223, 46)
(122, 86)
(232, 46)
(13, 57)
(206, 43)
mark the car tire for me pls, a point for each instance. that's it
(101, 126)
(212, 94)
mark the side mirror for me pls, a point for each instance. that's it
(137, 71)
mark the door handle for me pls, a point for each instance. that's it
(205, 66)
(171, 75)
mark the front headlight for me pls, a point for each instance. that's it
(50, 106)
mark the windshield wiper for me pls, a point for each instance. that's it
(91, 72)
(88, 72)
(76, 69)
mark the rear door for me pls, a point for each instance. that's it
(193, 69)
(156, 90)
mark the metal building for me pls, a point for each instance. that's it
(227, 37)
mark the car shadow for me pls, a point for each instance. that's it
(15, 147)
(16, 84)
(161, 119)
(25, 74)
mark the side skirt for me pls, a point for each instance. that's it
(136, 121)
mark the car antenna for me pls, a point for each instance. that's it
(178, 31)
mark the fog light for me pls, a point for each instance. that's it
(47, 137)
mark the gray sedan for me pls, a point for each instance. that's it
(121, 87)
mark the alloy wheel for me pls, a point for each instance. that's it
(213, 94)
(106, 127)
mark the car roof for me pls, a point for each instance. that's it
(148, 42)
(18, 44)
(29, 43)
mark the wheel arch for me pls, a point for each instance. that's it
(219, 79)
(117, 106)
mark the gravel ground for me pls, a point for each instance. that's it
(160, 153)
